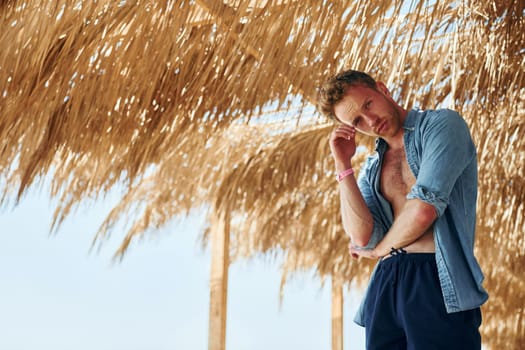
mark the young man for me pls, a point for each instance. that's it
(413, 208)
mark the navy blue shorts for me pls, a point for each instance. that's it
(405, 309)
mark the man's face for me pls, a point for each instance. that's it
(370, 111)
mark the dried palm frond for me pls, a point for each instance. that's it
(169, 100)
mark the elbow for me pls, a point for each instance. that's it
(359, 241)
(426, 214)
(359, 238)
(359, 231)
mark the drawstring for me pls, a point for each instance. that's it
(394, 251)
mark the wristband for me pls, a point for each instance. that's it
(344, 174)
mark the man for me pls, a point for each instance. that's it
(413, 207)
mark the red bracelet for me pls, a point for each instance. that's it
(344, 174)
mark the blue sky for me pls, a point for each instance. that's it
(56, 294)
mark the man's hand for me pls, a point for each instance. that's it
(342, 145)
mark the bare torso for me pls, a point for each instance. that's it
(396, 181)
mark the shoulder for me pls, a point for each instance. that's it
(440, 117)
(443, 126)
(441, 121)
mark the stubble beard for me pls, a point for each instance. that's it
(395, 120)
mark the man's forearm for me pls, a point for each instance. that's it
(413, 221)
(356, 217)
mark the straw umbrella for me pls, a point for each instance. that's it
(207, 104)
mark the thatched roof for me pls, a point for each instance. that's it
(208, 103)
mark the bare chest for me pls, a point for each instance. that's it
(396, 179)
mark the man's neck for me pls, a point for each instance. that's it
(396, 142)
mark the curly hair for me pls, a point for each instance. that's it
(333, 90)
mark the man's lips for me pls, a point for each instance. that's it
(380, 128)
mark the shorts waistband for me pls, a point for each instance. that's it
(415, 256)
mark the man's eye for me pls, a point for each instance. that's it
(367, 105)
(356, 121)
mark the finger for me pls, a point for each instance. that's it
(346, 131)
(347, 135)
(346, 127)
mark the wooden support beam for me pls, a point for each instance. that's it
(220, 260)
(337, 314)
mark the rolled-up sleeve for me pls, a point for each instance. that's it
(446, 150)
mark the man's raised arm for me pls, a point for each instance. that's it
(356, 217)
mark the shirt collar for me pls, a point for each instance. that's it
(410, 120)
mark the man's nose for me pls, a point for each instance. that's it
(371, 119)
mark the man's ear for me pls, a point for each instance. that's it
(383, 89)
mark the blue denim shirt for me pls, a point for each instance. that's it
(442, 157)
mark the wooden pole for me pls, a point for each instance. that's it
(220, 240)
(337, 314)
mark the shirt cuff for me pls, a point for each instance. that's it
(374, 240)
(437, 199)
